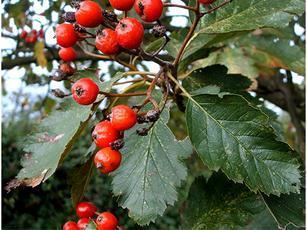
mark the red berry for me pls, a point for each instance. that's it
(123, 117)
(106, 221)
(107, 160)
(123, 5)
(85, 91)
(89, 14)
(31, 38)
(23, 34)
(41, 33)
(70, 225)
(130, 33)
(106, 42)
(104, 134)
(149, 10)
(206, 2)
(86, 210)
(34, 32)
(67, 54)
(66, 35)
(82, 223)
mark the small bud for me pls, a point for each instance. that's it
(59, 75)
(58, 93)
(79, 28)
(153, 115)
(69, 17)
(118, 144)
(141, 119)
(159, 31)
(111, 16)
(142, 132)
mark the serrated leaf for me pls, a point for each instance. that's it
(39, 54)
(211, 206)
(242, 15)
(151, 171)
(80, 178)
(55, 137)
(230, 134)
(287, 210)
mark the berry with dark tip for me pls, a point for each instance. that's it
(85, 91)
(107, 160)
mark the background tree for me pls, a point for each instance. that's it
(239, 68)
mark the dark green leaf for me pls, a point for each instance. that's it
(80, 178)
(150, 171)
(216, 75)
(230, 134)
(287, 210)
(219, 204)
(242, 15)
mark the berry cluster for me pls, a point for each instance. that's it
(86, 211)
(108, 135)
(32, 36)
(113, 35)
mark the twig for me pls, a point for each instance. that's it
(215, 8)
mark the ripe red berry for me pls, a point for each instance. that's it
(123, 5)
(149, 10)
(104, 134)
(31, 38)
(106, 42)
(41, 33)
(70, 225)
(123, 117)
(34, 32)
(85, 91)
(89, 14)
(82, 223)
(130, 33)
(67, 54)
(86, 210)
(206, 2)
(106, 221)
(23, 34)
(107, 160)
(66, 35)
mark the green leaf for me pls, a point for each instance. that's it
(242, 15)
(211, 206)
(216, 75)
(80, 178)
(239, 17)
(234, 59)
(287, 210)
(230, 134)
(150, 171)
(91, 226)
(56, 136)
(275, 52)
